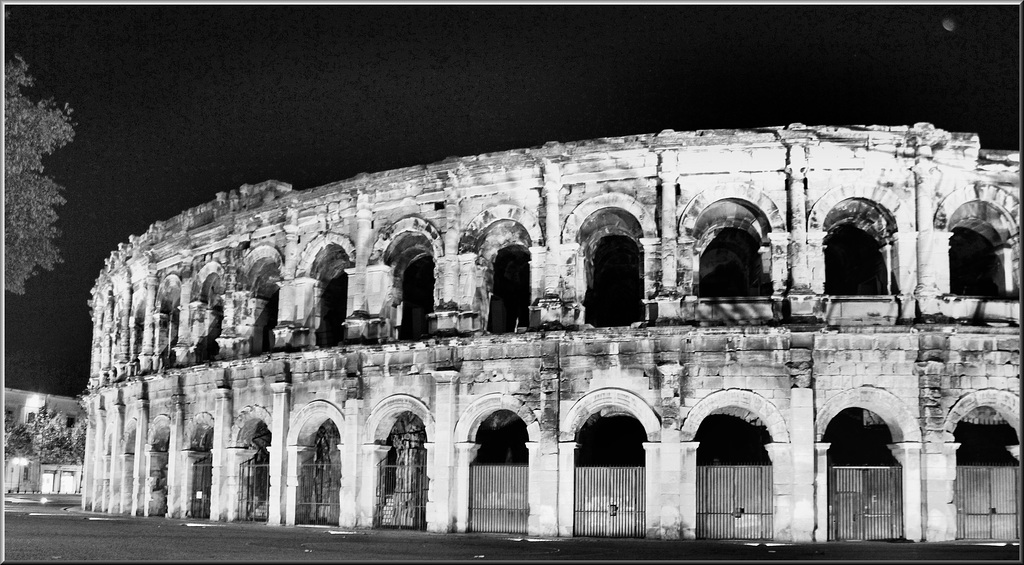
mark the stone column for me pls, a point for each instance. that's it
(140, 468)
(821, 514)
(651, 247)
(652, 492)
(552, 223)
(815, 257)
(352, 472)
(234, 457)
(909, 456)
(688, 509)
(780, 257)
(925, 186)
(182, 345)
(906, 252)
(175, 471)
(796, 179)
(465, 453)
(566, 486)
(147, 360)
(125, 323)
(439, 495)
(220, 494)
(113, 504)
(801, 436)
(297, 455)
(668, 178)
(939, 472)
(108, 333)
(670, 477)
(99, 450)
(278, 455)
(781, 455)
(373, 454)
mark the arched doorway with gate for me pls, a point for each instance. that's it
(200, 467)
(401, 500)
(499, 476)
(254, 472)
(987, 485)
(610, 482)
(318, 498)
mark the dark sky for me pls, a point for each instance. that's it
(173, 104)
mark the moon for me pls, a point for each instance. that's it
(949, 24)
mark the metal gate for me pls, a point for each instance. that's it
(319, 495)
(734, 502)
(987, 498)
(499, 498)
(254, 489)
(401, 496)
(202, 481)
(865, 503)
(610, 502)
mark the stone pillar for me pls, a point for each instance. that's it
(439, 495)
(688, 508)
(125, 323)
(670, 475)
(815, 257)
(821, 513)
(278, 455)
(668, 178)
(801, 437)
(652, 491)
(780, 257)
(352, 472)
(183, 344)
(113, 504)
(906, 252)
(146, 359)
(566, 486)
(909, 456)
(552, 223)
(796, 178)
(297, 455)
(234, 457)
(465, 453)
(175, 471)
(926, 178)
(140, 468)
(99, 450)
(220, 494)
(108, 333)
(373, 454)
(939, 472)
(651, 247)
(781, 455)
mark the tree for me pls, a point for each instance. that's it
(55, 442)
(17, 439)
(33, 129)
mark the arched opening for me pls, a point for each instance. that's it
(987, 486)
(730, 266)
(610, 477)
(974, 265)
(510, 296)
(254, 473)
(734, 478)
(138, 329)
(168, 321)
(854, 264)
(200, 460)
(329, 269)
(318, 498)
(212, 298)
(614, 296)
(264, 277)
(402, 476)
(865, 482)
(498, 477)
(417, 298)
(161, 439)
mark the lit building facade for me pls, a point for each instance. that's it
(29, 474)
(790, 333)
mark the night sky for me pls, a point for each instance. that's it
(173, 104)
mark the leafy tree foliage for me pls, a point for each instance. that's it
(17, 439)
(47, 438)
(33, 129)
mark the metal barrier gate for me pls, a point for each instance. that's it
(610, 502)
(865, 503)
(987, 498)
(318, 498)
(202, 482)
(401, 497)
(734, 502)
(499, 498)
(254, 490)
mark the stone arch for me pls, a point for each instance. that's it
(393, 233)
(723, 400)
(903, 425)
(626, 203)
(128, 437)
(159, 431)
(1004, 402)
(257, 262)
(384, 414)
(211, 268)
(476, 230)
(470, 420)
(313, 248)
(305, 422)
(614, 401)
(245, 423)
(1005, 201)
(197, 425)
(747, 194)
(886, 198)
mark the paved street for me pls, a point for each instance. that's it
(58, 530)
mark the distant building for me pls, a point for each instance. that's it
(28, 474)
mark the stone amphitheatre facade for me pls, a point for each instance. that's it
(789, 333)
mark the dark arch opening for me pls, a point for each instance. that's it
(260, 441)
(502, 438)
(333, 306)
(729, 440)
(853, 263)
(614, 297)
(417, 298)
(263, 334)
(611, 441)
(858, 437)
(510, 297)
(975, 268)
(984, 444)
(731, 266)
(202, 439)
